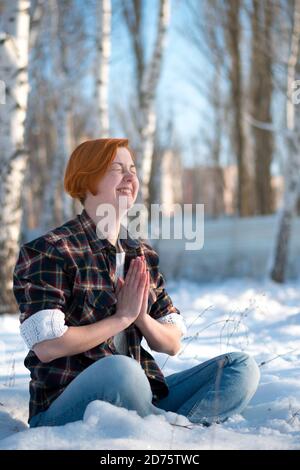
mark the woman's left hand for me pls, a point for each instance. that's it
(144, 307)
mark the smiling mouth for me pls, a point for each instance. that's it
(127, 192)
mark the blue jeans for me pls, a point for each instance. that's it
(208, 392)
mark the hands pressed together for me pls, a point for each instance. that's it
(133, 292)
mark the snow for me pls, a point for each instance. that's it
(260, 318)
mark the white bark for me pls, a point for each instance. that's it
(103, 47)
(13, 157)
(148, 78)
(292, 177)
(148, 89)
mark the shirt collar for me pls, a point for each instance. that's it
(89, 226)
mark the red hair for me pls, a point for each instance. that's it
(88, 163)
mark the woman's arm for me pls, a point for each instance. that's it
(161, 337)
(162, 326)
(43, 288)
(78, 339)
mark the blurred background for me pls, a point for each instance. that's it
(206, 93)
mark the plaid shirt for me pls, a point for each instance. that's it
(71, 269)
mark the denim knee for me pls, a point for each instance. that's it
(247, 366)
(123, 365)
(128, 374)
(239, 357)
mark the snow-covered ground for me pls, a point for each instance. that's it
(262, 319)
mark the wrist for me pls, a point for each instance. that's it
(123, 318)
(141, 320)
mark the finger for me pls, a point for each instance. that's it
(147, 281)
(144, 274)
(146, 267)
(132, 274)
(146, 289)
(137, 274)
(141, 282)
(140, 278)
(129, 272)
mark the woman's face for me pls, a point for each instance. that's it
(120, 184)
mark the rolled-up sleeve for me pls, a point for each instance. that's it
(42, 290)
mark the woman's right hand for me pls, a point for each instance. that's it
(130, 292)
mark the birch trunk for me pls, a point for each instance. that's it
(233, 41)
(54, 196)
(261, 91)
(13, 158)
(147, 82)
(292, 185)
(147, 100)
(103, 47)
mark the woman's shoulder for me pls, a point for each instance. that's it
(66, 233)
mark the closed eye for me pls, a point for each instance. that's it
(119, 167)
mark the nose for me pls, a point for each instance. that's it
(128, 176)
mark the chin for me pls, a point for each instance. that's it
(129, 202)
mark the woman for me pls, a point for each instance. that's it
(87, 298)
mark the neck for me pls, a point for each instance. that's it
(114, 225)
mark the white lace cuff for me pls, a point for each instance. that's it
(45, 324)
(175, 319)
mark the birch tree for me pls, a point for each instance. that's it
(14, 42)
(233, 38)
(292, 177)
(147, 76)
(60, 40)
(103, 48)
(261, 92)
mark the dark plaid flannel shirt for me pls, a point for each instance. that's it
(71, 269)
